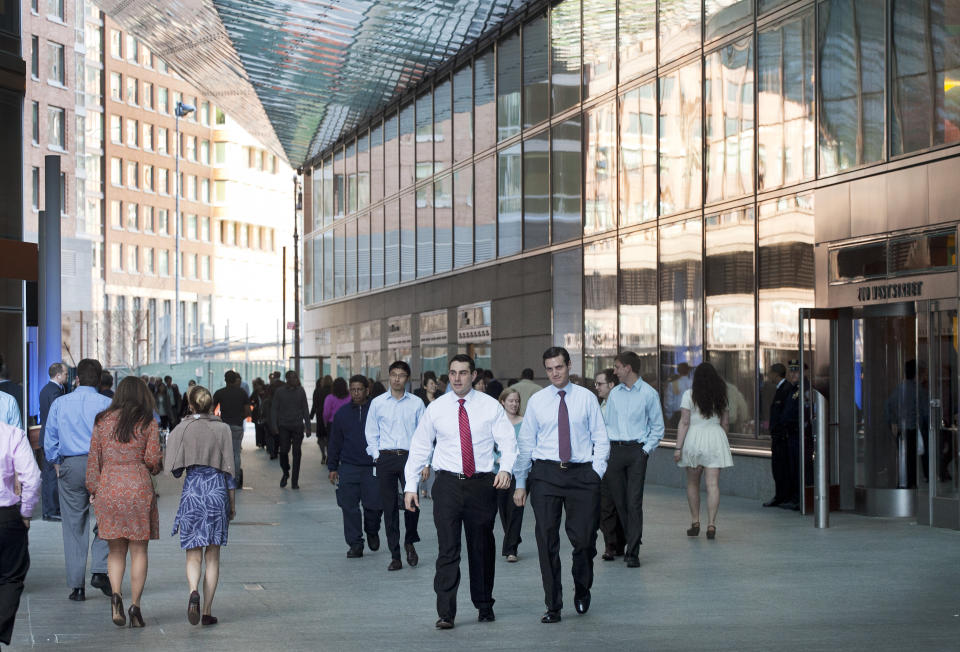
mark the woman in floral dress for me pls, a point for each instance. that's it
(124, 453)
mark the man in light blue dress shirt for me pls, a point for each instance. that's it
(635, 428)
(9, 412)
(66, 443)
(391, 422)
(564, 438)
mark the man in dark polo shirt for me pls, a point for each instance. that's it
(234, 408)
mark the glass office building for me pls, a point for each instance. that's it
(679, 179)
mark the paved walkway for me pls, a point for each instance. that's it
(769, 582)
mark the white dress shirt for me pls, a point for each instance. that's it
(391, 422)
(540, 440)
(440, 427)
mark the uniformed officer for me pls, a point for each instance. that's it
(779, 436)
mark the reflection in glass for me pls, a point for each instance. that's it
(729, 120)
(463, 114)
(729, 278)
(599, 305)
(599, 46)
(769, 5)
(328, 265)
(316, 203)
(926, 74)
(376, 248)
(350, 176)
(536, 197)
(443, 223)
(509, 200)
(351, 258)
(442, 134)
(339, 260)
(391, 248)
(851, 89)
(536, 101)
(679, 28)
(680, 140)
(363, 170)
(681, 311)
(424, 136)
(363, 253)
(638, 38)
(424, 200)
(638, 155)
(724, 16)
(638, 299)
(485, 225)
(463, 217)
(484, 100)
(318, 269)
(391, 154)
(600, 181)
(785, 102)
(567, 305)
(376, 163)
(408, 237)
(328, 191)
(407, 145)
(565, 180)
(565, 54)
(339, 185)
(508, 87)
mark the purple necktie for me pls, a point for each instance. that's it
(466, 441)
(563, 429)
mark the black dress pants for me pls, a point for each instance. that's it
(290, 438)
(614, 537)
(390, 474)
(575, 489)
(357, 485)
(261, 435)
(467, 506)
(626, 474)
(511, 518)
(14, 564)
(780, 466)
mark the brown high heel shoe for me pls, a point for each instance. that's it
(711, 531)
(136, 619)
(694, 529)
(116, 609)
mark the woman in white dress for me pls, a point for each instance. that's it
(702, 445)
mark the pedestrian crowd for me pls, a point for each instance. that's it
(478, 449)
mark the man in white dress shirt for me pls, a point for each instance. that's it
(460, 429)
(564, 437)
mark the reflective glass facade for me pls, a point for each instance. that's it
(662, 154)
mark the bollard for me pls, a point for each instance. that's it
(821, 474)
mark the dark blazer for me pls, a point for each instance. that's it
(779, 422)
(48, 394)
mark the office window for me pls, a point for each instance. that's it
(205, 152)
(424, 136)
(148, 95)
(729, 121)
(163, 181)
(679, 28)
(133, 259)
(339, 261)
(565, 55)
(116, 86)
(599, 305)
(116, 214)
(638, 155)
(190, 228)
(133, 91)
(35, 122)
(485, 101)
(424, 202)
(680, 140)
(56, 74)
(407, 154)
(463, 217)
(205, 228)
(219, 190)
(724, 16)
(600, 179)
(35, 188)
(133, 216)
(363, 253)
(116, 171)
(149, 264)
(192, 188)
(536, 98)
(391, 167)
(148, 180)
(638, 38)
(191, 153)
(147, 219)
(485, 216)
(219, 153)
(133, 174)
(163, 100)
(408, 237)
(162, 141)
(116, 44)
(391, 249)
(351, 258)
(205, 191)
(328, 282)
(116, 257)
(536, 195)
(146, 56)
(163, 265)
(133, 133)
(376, 251)
(55, 9)
(443, 224)
(509, 86)
(35, 57)
(205, 114)
(35, 6)
(163, 221)
(116, 129)
(463, 114)
(599, 46)
(205, 268)
(132, 49)
(148, 137)
(509, 200)
(638, 299)
(56, 127)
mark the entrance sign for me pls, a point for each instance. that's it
(871, 293)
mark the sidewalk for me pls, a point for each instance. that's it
(769, 582)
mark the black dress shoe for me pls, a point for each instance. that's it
(486, 616)
(444, 623)
(412, 557)
(773, 502)
(632, 562)
(78, 595)
(395, 564)
(283, 480)
(355, 551)
(373, 542)
(294, 485)
(789, 505)
(582, 603)
(550, 617)
(101, 581)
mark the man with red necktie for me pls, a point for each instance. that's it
(564, 438)
(460, 429)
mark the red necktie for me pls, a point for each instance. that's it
(466, 441)
(563, 429)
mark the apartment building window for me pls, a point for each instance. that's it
(146, 57)
(192, 264)
(205, 152)
(177, 97)
(116, 86)
(163, 182)
(226, 233)
(148, 95)
(148, 263)
(219, 153)
(116, 129)
(148, 137)
(35, 6)
(220, 117)
(133, 133)
(192, 188)
(205, 228)
(35, 57)
(133, 216)
(205, 191)
(205, 114)
(191, 148)
(116, 214)
(115, 44)
(163, 67)
(162, 141)
(56, 126)
(133, 91)
(163, 100)
(146, 217)
(35, 188)
(163, 266)
(35, 122)
(163, 221)
(55, 9)
(190, 228)
(148, 177)
(57, 74)
(133, 49)
(133, 174)
(133, 259)
(219, 190)
(205, 268)
(116, 171)
(116, 257)
(242, 235)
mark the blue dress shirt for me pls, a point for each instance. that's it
(70, 423)
(634, 414)
(391, 422)
(9, 411)
(539, 439)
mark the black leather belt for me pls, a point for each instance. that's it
(625, 442)
(460, 476)
(394, 451)
(563, 465)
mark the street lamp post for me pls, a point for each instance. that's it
(179, 111)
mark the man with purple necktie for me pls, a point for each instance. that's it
(564, 439)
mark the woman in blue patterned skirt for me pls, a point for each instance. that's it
(202, 445)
